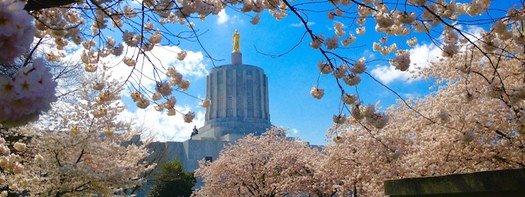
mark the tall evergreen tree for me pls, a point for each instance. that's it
(173, 180)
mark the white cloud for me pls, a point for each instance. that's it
(387, 74)
(155, 64)
(163, 127)
(420, 56)
(223, 17)
(301, 24)
(412, 95)
(294, 131)
(147, 68)
(159, 125)
(472, 32)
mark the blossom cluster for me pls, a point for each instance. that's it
(16, 30)
(97, 154)
(481, 108)
(474, 121)
(401, 61)
(65, 25)
(317, 93)
(275, 164)
(205, 103)
(376, 119)
(10, 162)
(29, 93)
(164, 89)
(434, 16)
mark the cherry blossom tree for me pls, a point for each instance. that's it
(266, 165)
(144, 25)
(473, 122)
(485, 69)
(82, 149)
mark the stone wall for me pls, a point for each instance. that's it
(504, 183)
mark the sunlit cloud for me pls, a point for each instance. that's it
(223, 17)
(152, 67)
(148, 69)
(420, 56)
(162, 127)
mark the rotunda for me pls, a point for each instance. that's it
(239, 97)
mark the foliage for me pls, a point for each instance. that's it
(144, 25)
(173, 180)
(473, 122)
(83, 149)
(267, 165)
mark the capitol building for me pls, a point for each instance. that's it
(239, 97)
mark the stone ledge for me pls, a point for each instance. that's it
(489, 183)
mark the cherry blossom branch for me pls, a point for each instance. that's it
(80, 156)
(470, 41)
(31, 53)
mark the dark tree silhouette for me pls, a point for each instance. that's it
(173, 180)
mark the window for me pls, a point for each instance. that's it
(208, 158)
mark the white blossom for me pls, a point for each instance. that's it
(16, 30)
(188, 117)
(181, 55)
(34, 86)
(184, 85)
(324, 68)
(412, 42)
(339, 29)
(339, 119)
(205, 103)
(401, 61)
(164, 88)
(19, 146)
(332, 43)
(317, 41)
(359, 66)
(317, 93)
(350, 99)
(352, 79)
(340, 71)
(255, 20)
(349, 40)
(360, 30)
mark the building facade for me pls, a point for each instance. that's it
(239, 106)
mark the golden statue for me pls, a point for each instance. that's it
(236, 38)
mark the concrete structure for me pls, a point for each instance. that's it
(239, 106)
(239, 97)
(504, 183)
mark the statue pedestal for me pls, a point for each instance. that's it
(236, 58)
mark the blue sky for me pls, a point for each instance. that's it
(290, 77)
